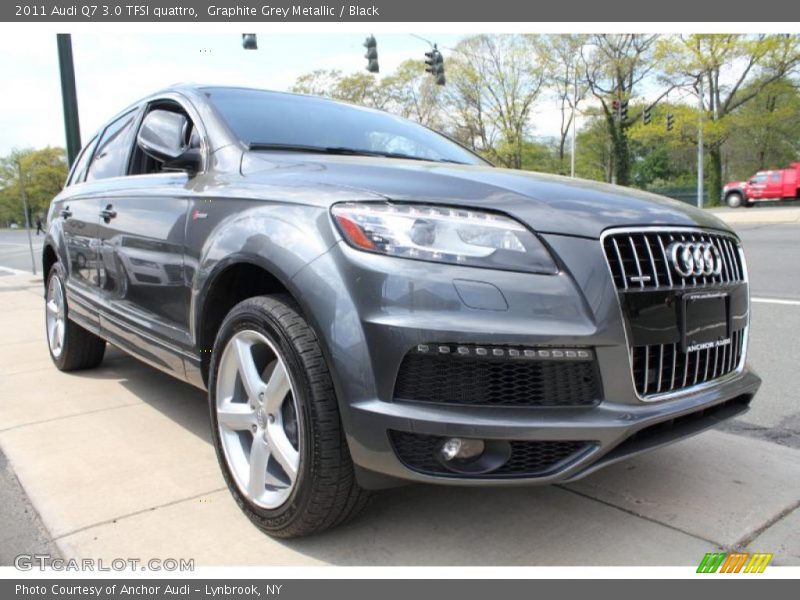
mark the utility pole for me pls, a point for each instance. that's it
(574, 126)
(69, 96)
(25, 210)
(700, 175)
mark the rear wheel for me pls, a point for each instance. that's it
(275, 422)
(71, 346)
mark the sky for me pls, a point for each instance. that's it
(113, 70)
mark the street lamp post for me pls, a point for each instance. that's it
(69, 96)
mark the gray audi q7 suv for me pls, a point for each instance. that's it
(369, 303)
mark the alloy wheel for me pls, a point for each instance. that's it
(257, 419)
(55, 316)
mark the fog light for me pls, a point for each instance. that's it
(461, 449)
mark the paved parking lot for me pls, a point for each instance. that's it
(118, 463)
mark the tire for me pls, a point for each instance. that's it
(735, 200)
(323, 491)
(71, 346)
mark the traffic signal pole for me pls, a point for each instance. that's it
(69, 96)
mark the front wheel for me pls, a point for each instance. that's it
(734, 200)
(275, 422)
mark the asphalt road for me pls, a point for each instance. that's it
(15, 252)
(773, 254)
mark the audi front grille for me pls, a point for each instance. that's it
(640, 259)
(642, 264)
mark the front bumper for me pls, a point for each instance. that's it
(606, 426)
(370, 310)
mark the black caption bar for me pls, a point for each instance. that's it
(731, 588)
(496, 11)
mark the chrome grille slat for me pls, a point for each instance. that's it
(621, 263)
(641, 256)
(660, 367)
(674, 365)
(636, 259)
(666, 260)
(652, 261)
(725, 274)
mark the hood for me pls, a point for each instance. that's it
(546, 203)
(736, 184)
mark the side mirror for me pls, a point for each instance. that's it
(163, 135)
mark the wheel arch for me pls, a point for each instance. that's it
(738, 191)
(49, 258)
(232, 281)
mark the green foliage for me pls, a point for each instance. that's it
(43, 171)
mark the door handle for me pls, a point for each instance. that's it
(108, 213)
(66, 213)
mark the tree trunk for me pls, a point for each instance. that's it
(714, 174)
(622, 158)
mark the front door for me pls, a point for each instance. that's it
(144, 291)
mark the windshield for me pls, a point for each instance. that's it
(275, 121)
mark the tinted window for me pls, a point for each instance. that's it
(113, 150)
(79, 170)
(759, 178)
(775, 177)
(260, 117)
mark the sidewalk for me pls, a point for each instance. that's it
(761, 214)
(118, 463)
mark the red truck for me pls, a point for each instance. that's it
(781, 184)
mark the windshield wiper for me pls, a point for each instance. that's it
(317, 149)
(341, 150)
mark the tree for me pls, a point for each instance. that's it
(614, 66)
(356, 88)
(412, 93)
(735, 69)
(504, 77)
(765, 133)
(466, 108)
(321, 82)
(44, 172)
(562, 64)
(594, 161)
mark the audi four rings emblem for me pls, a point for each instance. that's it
(693, 259)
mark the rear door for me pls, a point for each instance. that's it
(76, 213)
(758, 185)
(144, 293)
(79, 210)
(773, 190)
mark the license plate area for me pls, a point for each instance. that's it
(705, 321)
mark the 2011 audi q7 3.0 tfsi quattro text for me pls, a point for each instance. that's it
(367, 302)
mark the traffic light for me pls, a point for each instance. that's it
(249, 41)
(646, 116)
(670, 121)
(623, 111)
(434, 62)
(372, 54)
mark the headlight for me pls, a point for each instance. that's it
(442, 234)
